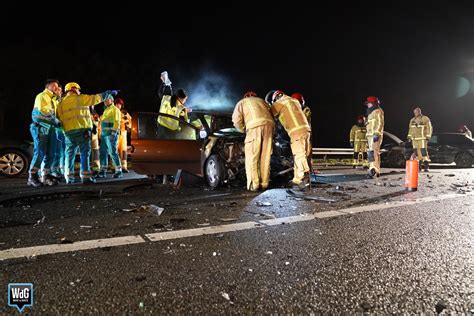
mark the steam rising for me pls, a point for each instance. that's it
(211, 91)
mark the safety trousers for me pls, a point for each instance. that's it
(258, 151)
(360, 152)
(58, 147)
(373, 154)
(301, 149)
(122, 148)
(43, 137)
(95, 152)
(421, 149)
(78, 138)
(108, 146)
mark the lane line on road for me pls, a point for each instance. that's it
(211, 230)
(80, 245)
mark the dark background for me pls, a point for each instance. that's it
(412, 54)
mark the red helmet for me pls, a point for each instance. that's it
(277, 95)
(298, 96)
(360, 118)
(373, 100)
(250, 94)
(118, 100)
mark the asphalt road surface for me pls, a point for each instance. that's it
(350, 245)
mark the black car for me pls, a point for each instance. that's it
(444, 148)
(15, 157)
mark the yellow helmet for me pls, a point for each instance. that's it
(71, 85)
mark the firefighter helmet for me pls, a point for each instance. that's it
(277, 95)
(250, 94)
(373, 100)
(119, 101)
(298, 96)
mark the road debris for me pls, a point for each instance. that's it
(225, 295)
(41, 220)
(450, 175)
(151, 208)
(64, 240)
(263, 203)
(203, 224)
(269, 253)
(440, 306)
(85, 226)
(228, 219)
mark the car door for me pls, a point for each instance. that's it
(435, 150)
(158, 150)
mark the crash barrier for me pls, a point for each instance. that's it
(333, 151)
(411, 175)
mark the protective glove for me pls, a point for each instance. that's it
(352, 144)
(114, 92)
(376, 138)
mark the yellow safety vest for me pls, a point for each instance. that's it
(74, 113)
(420, 128)
(177, 111)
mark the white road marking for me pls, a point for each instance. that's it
(128, 240)
(80, 245)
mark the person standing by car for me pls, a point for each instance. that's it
(42, 130)
(172, 104)
(419, 134)
(375, 125)
(125, 125)
(74, 114)
(291, 116)
(110, 128)
(253, 115)
(358, 140)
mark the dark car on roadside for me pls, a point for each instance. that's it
(15, 156)
(443, 148)
(207, 146)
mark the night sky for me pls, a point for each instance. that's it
(335, 56)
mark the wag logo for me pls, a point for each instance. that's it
(20, 295)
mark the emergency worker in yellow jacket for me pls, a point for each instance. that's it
(74, 114)
(110, 129)
(375, 126)
(291, 116)
(125, 126)
(358, 140)
(252, 115)
(419, 133)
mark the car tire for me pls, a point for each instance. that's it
(13, 163)
(464, 160)
(214, 171)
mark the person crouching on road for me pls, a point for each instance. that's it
(253, 115)
(419, 134)
(358, 141)
(291, 116)
(375, 125)
(75, 117)
(110, 127)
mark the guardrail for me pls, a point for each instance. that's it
(332, 151)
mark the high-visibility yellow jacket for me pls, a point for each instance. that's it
(125, 121)
(178, 111)
(290, 114)
(45, 102)
(251, 112)
(358, 134)
(420, 128)
(375, 123)
(110, 120)
(74, 113)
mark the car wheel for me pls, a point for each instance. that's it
(214, 171)
(13, 163)
(464, 160)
